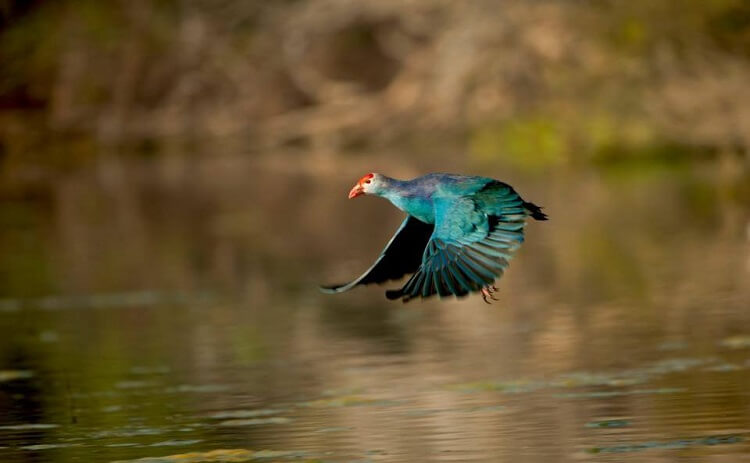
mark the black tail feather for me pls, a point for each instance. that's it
(536, 211)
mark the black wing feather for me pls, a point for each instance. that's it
(402, 255)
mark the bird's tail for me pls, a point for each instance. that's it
(535, 211)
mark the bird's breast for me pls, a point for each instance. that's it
(416, 206)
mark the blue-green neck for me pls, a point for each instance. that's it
(402, 194)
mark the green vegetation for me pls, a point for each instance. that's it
(600, 81)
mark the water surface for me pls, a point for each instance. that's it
(152, 313)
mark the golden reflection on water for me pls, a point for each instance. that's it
(146, 317)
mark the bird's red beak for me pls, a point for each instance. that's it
(357, 190)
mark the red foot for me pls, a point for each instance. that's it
(488, 292)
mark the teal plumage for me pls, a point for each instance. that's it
(458, 237)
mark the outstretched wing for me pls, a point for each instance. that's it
(474, 239)
(402, 255)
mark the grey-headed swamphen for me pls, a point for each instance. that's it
(458, 237)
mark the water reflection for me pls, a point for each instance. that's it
(146, 318)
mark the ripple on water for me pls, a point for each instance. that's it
(671, 444)
(11, 375)
(349, 401)
(608, 424)
(241, 414)
(223, 455)
(176, 442)
(29, 426)
(736, 342)
(255, 421)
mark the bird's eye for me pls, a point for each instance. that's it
(368, 181)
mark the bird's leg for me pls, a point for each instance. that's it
(488, 292)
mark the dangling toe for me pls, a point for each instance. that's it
(487, 295)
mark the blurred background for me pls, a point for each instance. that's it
(173, 179)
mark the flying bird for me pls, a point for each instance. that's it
(458, 237)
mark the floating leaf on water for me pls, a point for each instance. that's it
(256, 421)
(608, 424)
(736, 342)
(10, 375)
(221, 455)
(26, 426)
(245, 413)
(673, 444)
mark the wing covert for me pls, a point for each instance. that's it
(472, 244)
